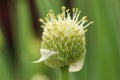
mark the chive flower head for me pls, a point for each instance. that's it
(63, 39)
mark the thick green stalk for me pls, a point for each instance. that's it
(64, 73)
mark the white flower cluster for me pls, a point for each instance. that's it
(63, 40)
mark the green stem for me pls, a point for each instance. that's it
(64, 73)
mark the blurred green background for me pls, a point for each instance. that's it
(20, 36)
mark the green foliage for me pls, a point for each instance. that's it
(103, 41)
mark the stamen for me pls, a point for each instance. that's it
(52, 20)
(85, 30)
(77, 16)
(41, 20)
(63, 10)
(46, 18)
(67, 10)
(88, 24)
(68, 14)
(59, 17)
(82, 19)
(73, 10)
(52, 17)
(75, 13)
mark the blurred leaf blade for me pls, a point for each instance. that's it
(44, 6)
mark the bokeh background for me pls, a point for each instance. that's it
(20, 37)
